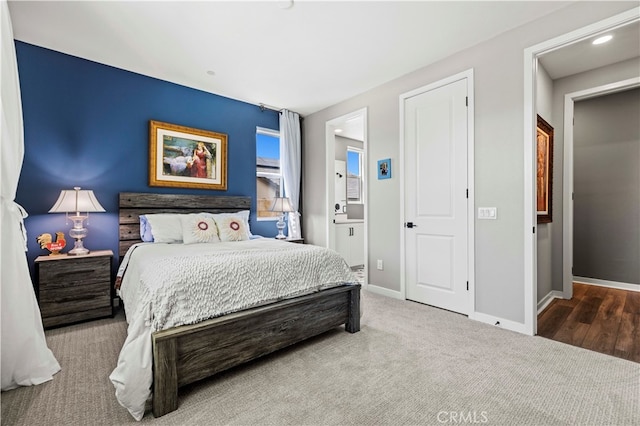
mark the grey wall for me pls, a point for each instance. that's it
(499, 155)
(574, 83)
(606, 231)
(342, 144)
(544, 108)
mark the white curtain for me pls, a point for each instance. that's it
(291, 158)
(26, 359)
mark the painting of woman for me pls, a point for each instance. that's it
(199, 161)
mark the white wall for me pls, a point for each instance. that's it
(499, 153)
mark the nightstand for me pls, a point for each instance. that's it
(74, 288)
(295, 240)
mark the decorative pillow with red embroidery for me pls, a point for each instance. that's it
(198, 228)
(232, 228)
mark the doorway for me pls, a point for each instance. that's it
(346, 160)
(556, 47)
(568, 190)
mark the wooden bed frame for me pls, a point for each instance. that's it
(185, 354)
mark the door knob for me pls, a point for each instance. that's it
(410, 225)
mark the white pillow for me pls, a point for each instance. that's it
(244, 214)
(232, 228)
(199, 228)
(165, 227)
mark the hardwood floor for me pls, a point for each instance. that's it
(602, 319)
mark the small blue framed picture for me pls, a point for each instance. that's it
(384, 168)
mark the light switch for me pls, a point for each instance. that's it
(487, 212)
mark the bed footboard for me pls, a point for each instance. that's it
(185, 354)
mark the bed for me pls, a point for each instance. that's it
(188, 353)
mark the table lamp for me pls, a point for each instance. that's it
(77, 201)
(281, 205)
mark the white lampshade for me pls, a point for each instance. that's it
(281, 204)
(76, 201)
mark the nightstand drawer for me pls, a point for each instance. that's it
(53, 321)
(74, 288)
(74, 272)
(66, 300)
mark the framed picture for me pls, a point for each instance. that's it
(183, 157)
(384, 169)
(544, 174)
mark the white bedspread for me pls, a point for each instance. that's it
(167, 285)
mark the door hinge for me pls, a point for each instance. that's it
(466, 101)
(467, 285)
(467, 193)
(534, 229)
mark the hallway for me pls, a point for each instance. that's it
(601, 319)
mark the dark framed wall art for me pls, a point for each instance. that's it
(544, 173)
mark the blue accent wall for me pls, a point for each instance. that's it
(87, 124)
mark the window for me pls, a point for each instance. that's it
(268, 172)
(354, 176)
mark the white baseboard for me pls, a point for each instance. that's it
(605, 283)
(499, 322)
(384, 291)
(553, 294)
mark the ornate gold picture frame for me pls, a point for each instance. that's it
(544, 175)
(184, 157)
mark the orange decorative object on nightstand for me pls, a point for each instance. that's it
(46, 243)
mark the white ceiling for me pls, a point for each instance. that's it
(305, 57)
(584, 55)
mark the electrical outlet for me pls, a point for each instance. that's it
(380, 265)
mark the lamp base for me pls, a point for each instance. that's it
(281, 225)
(78, 249)
(78, 232)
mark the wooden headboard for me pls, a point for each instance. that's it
(133, 204)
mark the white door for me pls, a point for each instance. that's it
(435, 160)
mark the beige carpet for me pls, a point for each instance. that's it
(411, 364)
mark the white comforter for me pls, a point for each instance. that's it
(167, 285)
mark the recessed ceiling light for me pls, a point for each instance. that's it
(285, 4)
(338, 130)
(602, 39)
(211, 72)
